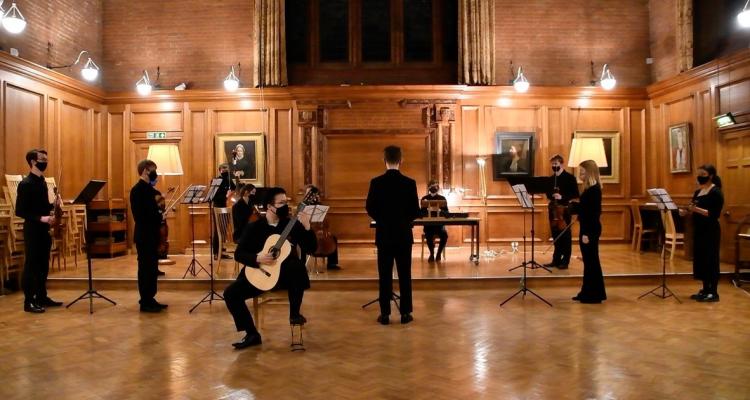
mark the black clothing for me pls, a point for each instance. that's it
(393, 203)
(220, 199)
(707, 238)
(435, 230)
(589, 211)
(148, 218)
(241, 213)
(293, 275)
(247, 168)
(568, 189)
(32, 204)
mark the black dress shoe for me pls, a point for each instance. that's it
(406, 318)
(297, 320)
(151, 308)
(251, 339)
(698, 295)
(160, 272)
(226, 257)
(562, 266)
(33, 308)
(50, 303)
(333, 267)
(431, 258)
(160, 305)
(709, 298)
(576, 298)
(439, 257)
(550, 265)
(383, 320)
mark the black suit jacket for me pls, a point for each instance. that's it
(393, 203)
(146, 213)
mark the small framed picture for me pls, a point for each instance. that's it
(514, 155)
(245, 154)
(680, 159)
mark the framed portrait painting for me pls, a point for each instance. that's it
(611, 139)
(680, 159)
(245, 153)
(514, 155)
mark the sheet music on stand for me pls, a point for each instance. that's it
(193, 194)
(523, 196)
(662, 198)
(215, 184)
(318, 212)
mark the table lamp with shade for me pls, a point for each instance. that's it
(583, 149)
(168, 163)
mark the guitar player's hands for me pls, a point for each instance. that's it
(266, 259)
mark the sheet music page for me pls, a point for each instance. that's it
(522, 195)
(318, 212)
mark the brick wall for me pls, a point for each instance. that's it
(663, 39)
(192, 41)
(556, 40)
(69, 25)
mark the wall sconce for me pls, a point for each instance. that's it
(607, 80)
(232, 82)
(144, 85)
(90, 70)
(520, 83)
(743, 18)
(12, 20)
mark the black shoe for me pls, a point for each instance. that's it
(698, 295)
(406, 318)
(562, 266)
(160, 272)
(226, 257)
(431, 258)
(383, 320)
(251, 339)
(576, 298)
(439, 257)
(333, 267)
(33, 308)
(50, 303)
(550, 265)
(709, 298)
(297, 320)
(151, 308)
(160, 305)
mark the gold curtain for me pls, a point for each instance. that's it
(476, 45)
(269, 53)
(684, 35)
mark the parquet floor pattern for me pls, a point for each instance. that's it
(461, 345)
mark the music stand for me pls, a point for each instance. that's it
(666, 205)
(193, 196)
(215, 183)
(434, 207)
(527, 205)
(87, 194)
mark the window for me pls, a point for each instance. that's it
(418, 30)
(334, 30)
(376, 31)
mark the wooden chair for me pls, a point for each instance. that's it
(741, 242)
(273, 298)
(638, 229)
(10, 261)
(435, 243)
(223, 222)
(672, 238)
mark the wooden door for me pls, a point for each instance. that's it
(734, 169)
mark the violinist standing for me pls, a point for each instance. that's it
(32, 204)
(564, 189)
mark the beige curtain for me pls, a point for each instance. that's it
(476, 45)
(684, 35)
(269, 55)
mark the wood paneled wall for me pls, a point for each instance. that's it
(333, 136)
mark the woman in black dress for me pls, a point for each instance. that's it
(706, 209)
(589, 209)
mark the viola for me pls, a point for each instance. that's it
(557, 220)
(163, 249)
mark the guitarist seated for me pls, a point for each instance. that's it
(293, 275)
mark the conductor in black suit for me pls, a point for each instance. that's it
(393, 204)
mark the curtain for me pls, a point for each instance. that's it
(684, 35)
(269, 53)
(476, 45)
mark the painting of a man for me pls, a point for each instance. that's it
(513, 154)
(679, 144)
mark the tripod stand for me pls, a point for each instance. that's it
(394, 298)
(527, 205)
(211, 295)
(88, 193)
(666, 205)
(192, 196)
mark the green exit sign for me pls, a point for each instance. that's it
(156, 135)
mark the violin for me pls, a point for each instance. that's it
(558, 213)
(163, 248)
(57, 227)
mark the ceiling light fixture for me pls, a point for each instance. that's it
(743, 18)
(520, 84)
(606, 80)
(90, 70)
(232, 82)
(143, 86)
(13, 21)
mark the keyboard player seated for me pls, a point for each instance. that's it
(434, 205)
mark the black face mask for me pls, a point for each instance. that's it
(41, 165)
(433, 190)
(555, 168)
(225, 174)
(283, 211)
(152, 176)
(703, 179)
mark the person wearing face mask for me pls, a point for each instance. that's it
(243, 210)
(435, 230)
(148, 217)
(706, 209)
(293, 275)
(564, 189)
(32, 204)
(220, 201)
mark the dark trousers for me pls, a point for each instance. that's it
(333, 258)
(240, 290)
(593, 279)
(563, 245)
(401, 254)
(429, 235)
(148, 266)
(38, 244)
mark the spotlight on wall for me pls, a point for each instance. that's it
(90, 70)
(143, 86)
(606, 79)
(521, 84)
(232, 82)
(12, 20)
(743, 18)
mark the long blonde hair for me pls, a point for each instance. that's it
(592, 174)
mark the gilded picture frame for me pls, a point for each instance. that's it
(680, 148)
(245, 152)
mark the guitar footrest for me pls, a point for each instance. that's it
(297, 343)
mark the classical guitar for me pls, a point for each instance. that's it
(266, 276)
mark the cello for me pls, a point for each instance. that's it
(326, 241)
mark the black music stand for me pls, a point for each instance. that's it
(394, 296)
(526, 204)
(666, 205)
(215, 183)
(87, 194)
(193, 196)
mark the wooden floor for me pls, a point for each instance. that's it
(461, 345)
(359, 263)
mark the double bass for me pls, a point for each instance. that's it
(326, 242)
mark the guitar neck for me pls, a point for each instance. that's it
(285, 232)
